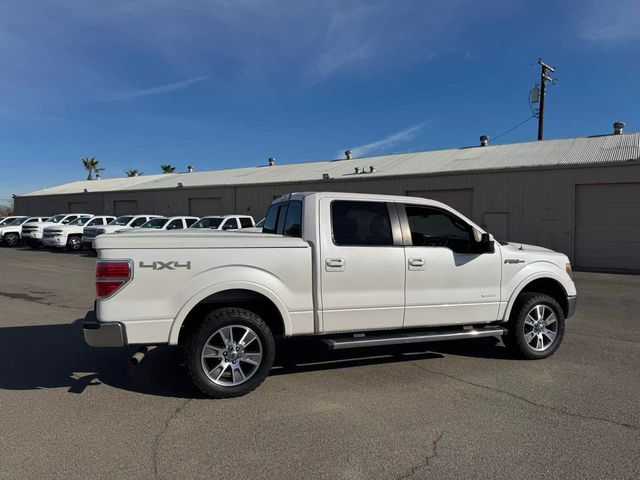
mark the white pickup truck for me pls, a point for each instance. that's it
(11, 232)
(32, 232)
(125, 222)
(225, 222)
(356, 270)
(69, 236)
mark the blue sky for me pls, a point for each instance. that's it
(224, 83)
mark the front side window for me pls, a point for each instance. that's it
(55, 218)
(432, 227)
(208, 222)
(230, 224)
(361, 223)
(89, 222)
(81, 221)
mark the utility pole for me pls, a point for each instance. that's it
(544, 77)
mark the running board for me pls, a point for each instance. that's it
(411, 337)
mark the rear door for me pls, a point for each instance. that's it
(362, 262)
(448, 282)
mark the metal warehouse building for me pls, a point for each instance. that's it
(580, 196)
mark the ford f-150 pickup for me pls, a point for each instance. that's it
(355, 270)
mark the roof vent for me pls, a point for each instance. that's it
(484, 140)
(348, 154)
(326, 176)
(272, 162)
(190, 168)
(618, 127)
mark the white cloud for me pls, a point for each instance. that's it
(384, 144)
(168, 88)
(610, 21)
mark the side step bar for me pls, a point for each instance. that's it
(413, 337)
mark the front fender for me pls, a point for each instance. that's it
(531, 272)
(231, 278)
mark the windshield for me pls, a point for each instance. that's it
(55, 218)
(122, 220)
(208, 222)
(155, 223)
(80, 221)
(16, 221)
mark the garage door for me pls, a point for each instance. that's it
(125, 207)
(460, 199)
(607, 227)
(201, 207)
(77, 207)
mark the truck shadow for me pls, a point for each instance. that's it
(55, 356)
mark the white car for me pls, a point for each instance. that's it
(32, 232)
(225, 222)
(125, 222)
(70, 236)
(355, 270)
(169, 223)
(11, 232)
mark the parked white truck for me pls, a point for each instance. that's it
(224, 222)
(357, 270)
(70, 236)
(11, 232)
(32, 232)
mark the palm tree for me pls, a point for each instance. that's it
(133, 173)
(167, 169)
(90, 163)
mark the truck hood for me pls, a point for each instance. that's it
(12, 229)
(42, 224)
(167, 239)
(65, 228)
(532, 253)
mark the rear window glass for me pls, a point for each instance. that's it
(361, 223)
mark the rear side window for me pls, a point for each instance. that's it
(246, 222)
(190, 221)
(293, 222)
(361, 223)
(272, 220)
(175, 225)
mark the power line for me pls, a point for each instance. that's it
(513, 128)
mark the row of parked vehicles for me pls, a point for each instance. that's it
(74, 231)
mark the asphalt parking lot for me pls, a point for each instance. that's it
(442, 410)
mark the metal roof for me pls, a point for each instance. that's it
(601, 149)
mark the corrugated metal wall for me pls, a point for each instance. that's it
(533, 206)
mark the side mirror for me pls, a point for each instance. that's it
(486, 243)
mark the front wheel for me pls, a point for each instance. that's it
(74, 244)
(230, 354)
(11, 239)
(536, 327)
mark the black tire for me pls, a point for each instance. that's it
(516, 338)
(74, 244)
(213, 323)
(11, 239)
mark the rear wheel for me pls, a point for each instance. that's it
(74, 244)
(11, 239)
(230, 354)
(536, 327)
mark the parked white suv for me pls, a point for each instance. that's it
(32, 232)
(356, 270)
(225, 222)
(70, 235)
(11, 232)
(125, 222)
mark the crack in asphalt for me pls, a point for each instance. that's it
(425, 462)
(531, 402)
(156, 441)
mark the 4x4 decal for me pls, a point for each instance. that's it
(172, 265)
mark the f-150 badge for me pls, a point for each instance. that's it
(513, 260)
(158, 265)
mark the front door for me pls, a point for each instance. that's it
(447, 283)
(362, 262)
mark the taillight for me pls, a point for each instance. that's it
(111, 275)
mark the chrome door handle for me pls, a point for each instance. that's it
(334, 264)
(416, 264)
